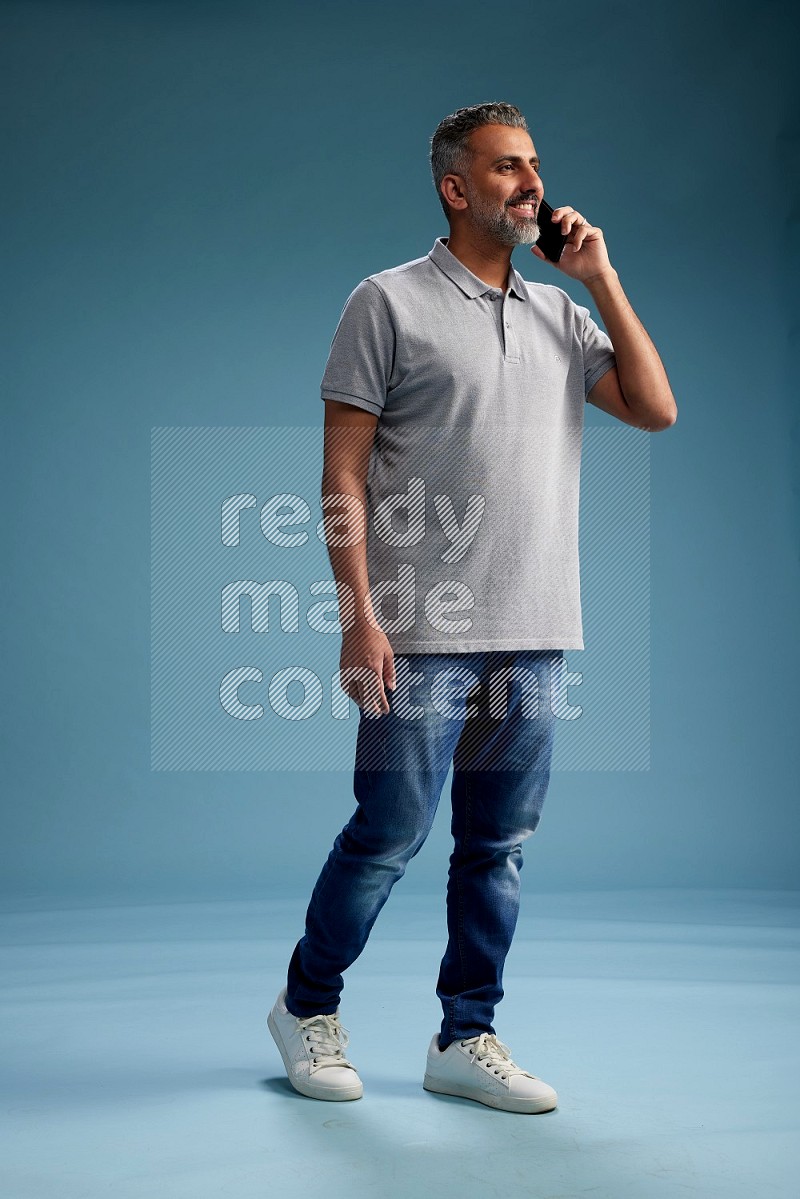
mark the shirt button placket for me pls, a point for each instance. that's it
(510, 346)
(497, 313)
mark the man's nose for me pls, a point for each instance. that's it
(533, 186)
(537, 185)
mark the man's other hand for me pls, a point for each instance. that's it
(366, 650)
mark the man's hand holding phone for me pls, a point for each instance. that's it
(570, 243)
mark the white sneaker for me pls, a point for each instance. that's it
(312, 1052)
(481, 1068)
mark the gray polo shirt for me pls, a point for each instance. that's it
(473, 481)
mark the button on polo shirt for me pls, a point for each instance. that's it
(473, 480)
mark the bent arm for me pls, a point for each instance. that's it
(639, 382)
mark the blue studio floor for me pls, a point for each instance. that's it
(137, 1060)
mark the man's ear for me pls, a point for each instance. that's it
(452, 188)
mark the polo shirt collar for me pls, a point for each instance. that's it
(470, 284)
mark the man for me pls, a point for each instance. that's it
(455, 383)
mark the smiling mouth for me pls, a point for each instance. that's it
(524, 208)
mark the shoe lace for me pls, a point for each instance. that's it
(327, 1039)
(495, 1054)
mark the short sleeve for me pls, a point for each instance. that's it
(362, 352)
(598, 352)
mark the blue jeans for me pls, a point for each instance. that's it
(501, 755)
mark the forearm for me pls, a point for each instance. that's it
(642, 378)
(345, 529)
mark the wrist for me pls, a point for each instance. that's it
(359, 623)
(607, 276)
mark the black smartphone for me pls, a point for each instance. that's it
(551, 240)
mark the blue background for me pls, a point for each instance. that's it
(192, 191)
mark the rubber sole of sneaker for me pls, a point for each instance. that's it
(505, 1103)
(308, 1088)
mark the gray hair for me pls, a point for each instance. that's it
(450, 152)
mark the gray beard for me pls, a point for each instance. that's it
(504, 228)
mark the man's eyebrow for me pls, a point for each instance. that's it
(517, 158)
